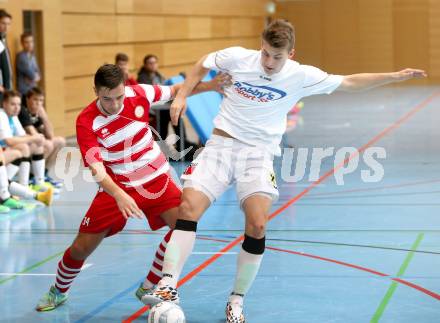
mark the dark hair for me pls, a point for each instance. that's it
(4, 13)
(108, 76)
(10, 94)
(34, 91)
(121, 57)
(147, 57)
(280, 34)
(25, 35)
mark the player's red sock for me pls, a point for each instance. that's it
(155, 274)
(68, 269)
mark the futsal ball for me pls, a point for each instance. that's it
(166, 312)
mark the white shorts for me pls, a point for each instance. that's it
(226, 161)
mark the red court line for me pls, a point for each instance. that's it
(233, 243)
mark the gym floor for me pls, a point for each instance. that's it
(339, 249)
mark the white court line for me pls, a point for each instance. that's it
(85, 266)
(213, 253)
(25, 274)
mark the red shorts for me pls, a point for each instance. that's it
(153, 199)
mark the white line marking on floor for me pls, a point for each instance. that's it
(213, 253)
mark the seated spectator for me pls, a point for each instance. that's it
(29, 150)
(28, 72)
(149, 74)
(34, 119)
(121, 60)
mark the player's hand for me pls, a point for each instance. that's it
(127, 206)
(409, 73)
(177, 109)
(220, 82)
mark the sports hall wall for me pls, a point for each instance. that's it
(349, 36)
(80, 35)
(340, 36)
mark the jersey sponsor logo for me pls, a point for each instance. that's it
(258, 93)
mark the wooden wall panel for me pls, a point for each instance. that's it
(89, 29)
(434, 39)
(376, 35)
(78, 92)
(411, 33)
(80, 61)
(340, 33)
(89, 6)
(306, 19)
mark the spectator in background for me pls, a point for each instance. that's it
(28, 72)
(5, 57)
(149, 74)
(121, 60)
(34, 119)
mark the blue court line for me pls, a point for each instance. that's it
(108, 303)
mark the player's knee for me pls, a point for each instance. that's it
(254, 246)
(60, 142)
(48, 145)
(187, 210)
(24, 149)
(256, 228)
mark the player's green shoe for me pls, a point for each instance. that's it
(51, 300)
(140, 292)
(13, 204)
(4, 209)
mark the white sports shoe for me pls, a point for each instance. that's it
(234, 312)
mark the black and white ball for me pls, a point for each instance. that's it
(166, 312)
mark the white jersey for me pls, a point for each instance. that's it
(256, 105)
(9, 127)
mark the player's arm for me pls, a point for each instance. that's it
(12, 141)
(30, 130)
(366, 81)
(217, 84)
(193, 78)
(125, 202)
(47, 125)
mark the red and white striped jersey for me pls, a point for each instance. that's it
(124, 141)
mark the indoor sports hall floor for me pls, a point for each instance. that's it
(351, 253)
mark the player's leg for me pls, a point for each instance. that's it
(57, 143)
(24, 164)
(38, 163)
(205, 180)
(6, 200)
(69, 267)
(101, 220)
(256, 208)
(161, 209)
(256, 190)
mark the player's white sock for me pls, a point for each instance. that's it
(248, 264)
(178, 250)
(13, 168)
(24, 171)
(4, 183)
(38, 165)
(22, 191)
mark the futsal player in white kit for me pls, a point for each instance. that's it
(240, 152)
